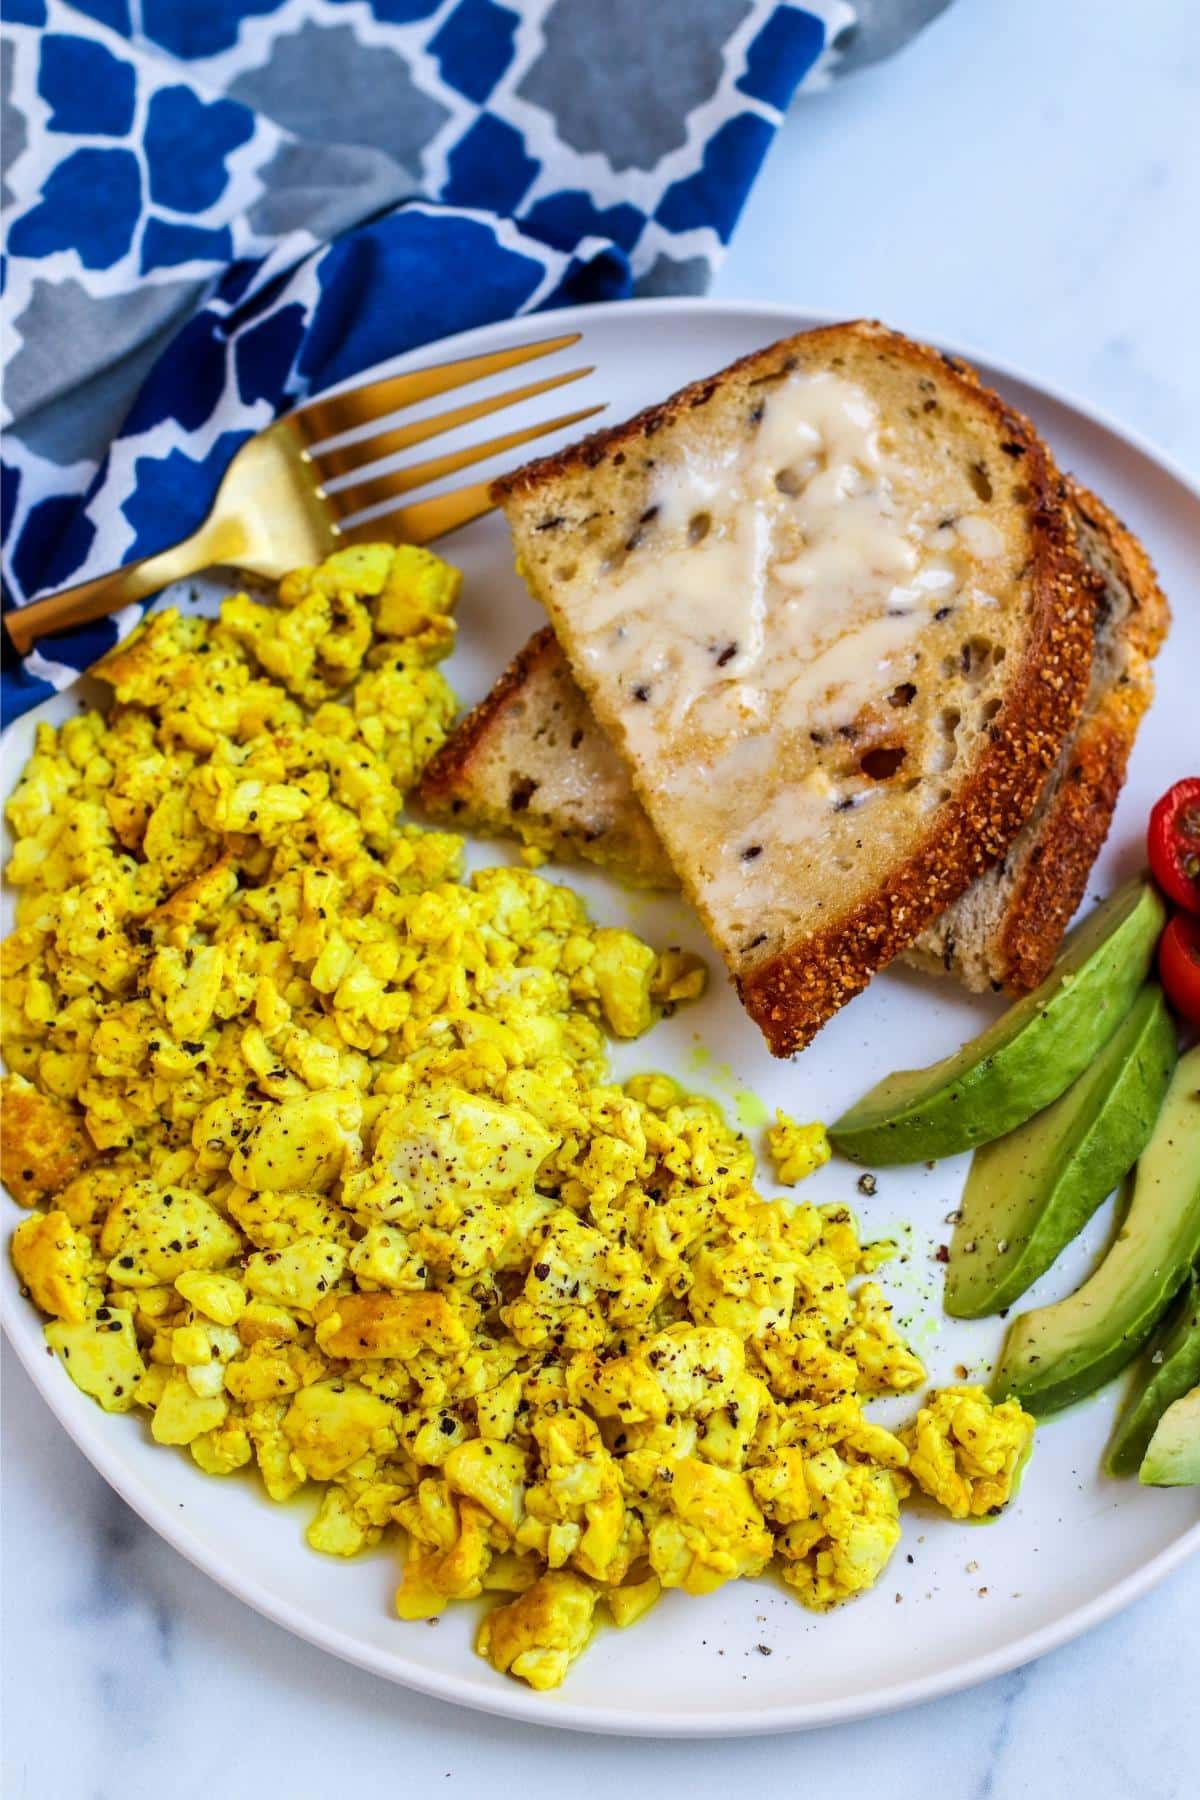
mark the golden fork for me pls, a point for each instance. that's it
(273, 510)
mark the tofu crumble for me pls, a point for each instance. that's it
(326, 1177)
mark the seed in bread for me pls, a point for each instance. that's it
(828, 607)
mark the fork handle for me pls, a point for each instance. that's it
(108, 593)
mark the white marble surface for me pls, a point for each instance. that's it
(1023, 180)
(1026, 180)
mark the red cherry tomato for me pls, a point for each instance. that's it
(1179, 965)
(1174, 843)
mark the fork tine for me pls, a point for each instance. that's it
(372, 491)
(326, 418)
(329, 464)
(426, 520)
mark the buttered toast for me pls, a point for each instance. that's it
(531, 761)
(829, 609)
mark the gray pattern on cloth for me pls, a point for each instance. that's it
(633, 111)
(365, 95)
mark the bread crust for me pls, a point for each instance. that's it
(1077, 821)
(451, 765)
(793, 993)
(1150, 620)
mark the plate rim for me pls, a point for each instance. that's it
(511, 1701)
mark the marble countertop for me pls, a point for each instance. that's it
(1025, 181)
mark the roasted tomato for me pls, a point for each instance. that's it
(1174, 843)
(1179, 965)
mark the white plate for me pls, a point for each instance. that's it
(958, 1604)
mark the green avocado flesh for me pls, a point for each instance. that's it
(1057, 1354)
(1173, 1459)
(1169, 1369)
(1029, 1193)
(1026, 1059)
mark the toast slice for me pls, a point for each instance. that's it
(530, 761)
(1004, 932)
(829, 608)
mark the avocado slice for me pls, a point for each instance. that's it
(1057, 1354)
(1031, 1192)
(1173, 1458)
(1169, 1368)
(1027, 1058)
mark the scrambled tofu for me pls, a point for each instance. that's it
(966, 1452)
(796, 1150)
(327, 1175)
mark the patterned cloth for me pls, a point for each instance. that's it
(214, 208)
